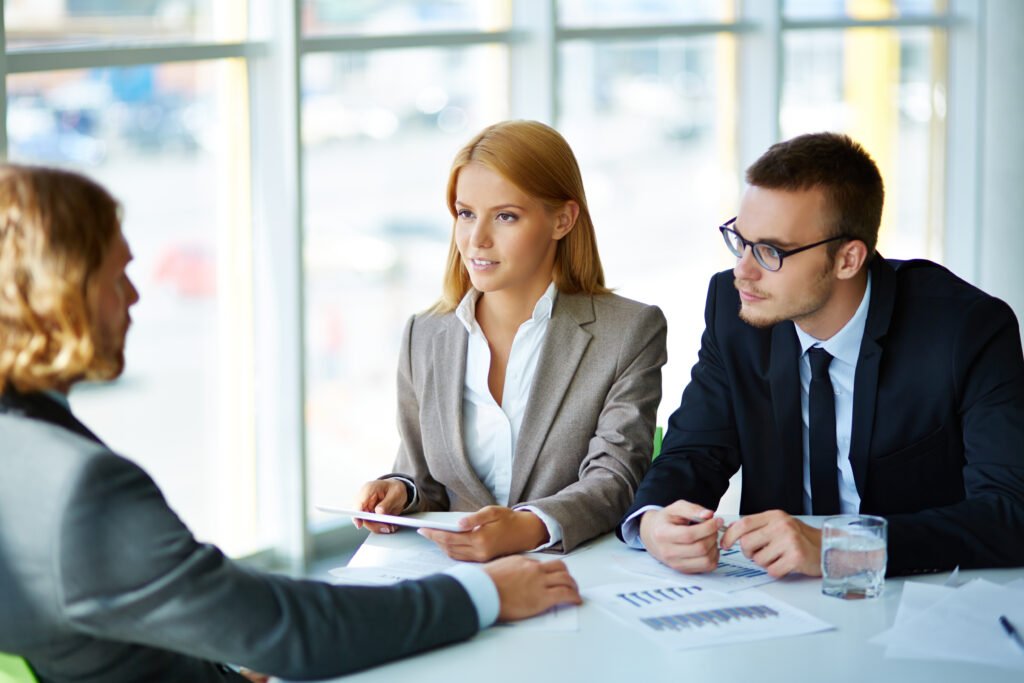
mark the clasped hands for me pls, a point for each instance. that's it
(685, 537)
(492, 531)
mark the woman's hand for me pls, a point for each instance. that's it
(491, 532)
(385, 497)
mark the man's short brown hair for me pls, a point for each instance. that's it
(843, 170)
(56, 227)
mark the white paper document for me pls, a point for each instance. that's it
(403, 565)
(938, 622)
(561, 618)
(415, 564)
(734, 572)
(684, 615)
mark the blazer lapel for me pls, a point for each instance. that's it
(563, 349)
(449, 378)
(865, 381)
(784, 376)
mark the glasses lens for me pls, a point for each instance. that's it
(768, 256)
(732, 240)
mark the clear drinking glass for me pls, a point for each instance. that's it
(853, 556)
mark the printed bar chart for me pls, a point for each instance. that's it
(714, 617)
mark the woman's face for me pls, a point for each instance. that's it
(507, 239)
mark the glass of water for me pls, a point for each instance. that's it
(853, 555)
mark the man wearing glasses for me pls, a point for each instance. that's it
(846, 383)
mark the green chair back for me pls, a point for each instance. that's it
(15, 670)
(657, 443)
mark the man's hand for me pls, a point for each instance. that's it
(527, 587)
(492, 531)
(778, 542)
(385, 497)
(677, 537)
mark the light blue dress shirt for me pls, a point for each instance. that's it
(844, 347)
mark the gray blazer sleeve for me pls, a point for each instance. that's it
(619, 452)
(129, 570)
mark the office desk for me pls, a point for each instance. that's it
(605, 650)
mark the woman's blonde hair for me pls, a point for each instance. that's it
(536, 159)
(55, 230)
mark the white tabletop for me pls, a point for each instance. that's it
(604, 650)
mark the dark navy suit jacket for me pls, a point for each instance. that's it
(937, 442)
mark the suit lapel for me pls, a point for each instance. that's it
(560, 356)
(784, 376)
(865, 382)
(449, 378)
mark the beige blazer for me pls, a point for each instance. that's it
(586, 437)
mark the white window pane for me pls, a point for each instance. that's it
(380, 130)
(52, 23)
(861, 9)
(886, 89)
(322, 17)
(159, 138)
(611, 12)
(653, 126)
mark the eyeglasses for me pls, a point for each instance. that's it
(767, 255)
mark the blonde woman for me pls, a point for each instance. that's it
(527, 395)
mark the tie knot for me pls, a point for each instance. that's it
(820, 360)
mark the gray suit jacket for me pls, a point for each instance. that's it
(586, 438)
(100, 580)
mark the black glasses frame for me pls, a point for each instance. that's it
(755, 247)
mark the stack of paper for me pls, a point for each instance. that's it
(946, 623)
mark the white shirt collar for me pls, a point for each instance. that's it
(844, 344)
(466, 310)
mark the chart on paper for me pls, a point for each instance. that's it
(734, 571)
(687, 615)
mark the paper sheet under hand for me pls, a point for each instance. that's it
(416, 564)
(405, 565)
(683, 615)
(734, 572)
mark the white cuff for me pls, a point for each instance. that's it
(631, 527)
(554, 528)
(481, 589)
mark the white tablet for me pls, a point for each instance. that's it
(417, 520)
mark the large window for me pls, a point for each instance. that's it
(282, 167)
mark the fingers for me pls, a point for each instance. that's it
(563, 595)
(394, 500)
(378, 527)
(690, 512)
(687, 532)
(747, 524)
(463, 547)
(485, 515)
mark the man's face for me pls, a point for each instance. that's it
(109, 295)
(800, 291)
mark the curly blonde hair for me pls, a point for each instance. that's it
(535, 158)
(55, 229)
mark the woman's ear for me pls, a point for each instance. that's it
(565, 219)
